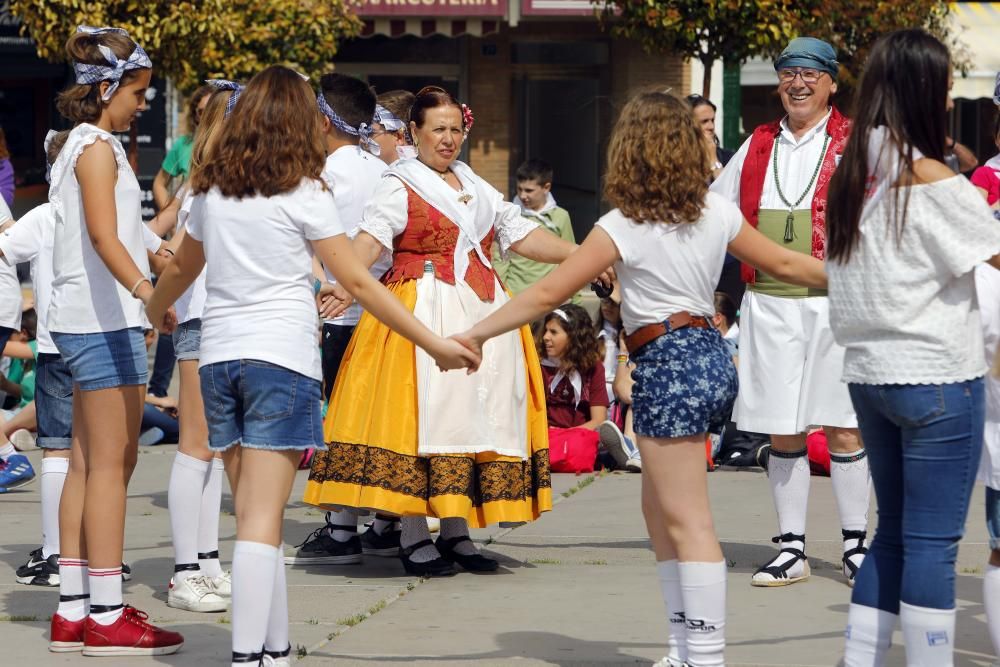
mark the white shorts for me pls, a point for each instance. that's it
(789, 367)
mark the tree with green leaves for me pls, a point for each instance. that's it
(705, 30)
(190, 40)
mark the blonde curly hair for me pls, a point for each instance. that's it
(658, 162)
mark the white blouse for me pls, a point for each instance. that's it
(907, 311)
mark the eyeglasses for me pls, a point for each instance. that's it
(808, 76)
(382, 133)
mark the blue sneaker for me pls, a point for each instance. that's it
(16, 471)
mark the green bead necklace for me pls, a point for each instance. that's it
(790, 220)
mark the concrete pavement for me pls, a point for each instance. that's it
(576, 587)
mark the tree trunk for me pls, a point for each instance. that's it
(706, 82)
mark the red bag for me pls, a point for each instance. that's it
(572, 449)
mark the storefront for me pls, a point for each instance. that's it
(542, 78)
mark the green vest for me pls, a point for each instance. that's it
(772, 223)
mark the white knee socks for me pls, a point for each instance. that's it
(928, 635)
(851, 480)
(54, 469)
(276, 638)
(342, 525)
(789, 478)
(74, 601)
(670, 585)
(184, 500)
(254, 575)
(869, 636)
(703, 588)
(991, 600)
(105, 591)
(208, 521)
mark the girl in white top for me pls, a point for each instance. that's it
(100, 282)
(667, 240)
(260, 211)
(905, 234)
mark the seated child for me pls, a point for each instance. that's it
(575, 394)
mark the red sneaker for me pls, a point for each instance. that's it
(66, 636)
(129, 635)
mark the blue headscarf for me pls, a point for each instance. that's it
(810, 53)
(87, 73)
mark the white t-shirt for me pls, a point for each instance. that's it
(10, 286)
(86, 298)
(907, 313)
(150, 239)
(353, 174)
(30, 240)
(191, 304)
(667, 268)
(988, 293)
(259, 282)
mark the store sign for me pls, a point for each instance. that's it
(430, 8)
(557, 7)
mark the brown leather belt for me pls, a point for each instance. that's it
(650, 332)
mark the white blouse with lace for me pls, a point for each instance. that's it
(906, 311)
(86, 298)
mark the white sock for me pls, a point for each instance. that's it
(991, 600)
(54, 469)
(851, 481)
(342, 525)
(105, 591)
(184, 491)
(415, 530)
(789, 478)
(208, 520)
(670, 585)
(253, 589)
(382, 525)
(928, 635)
(456, 527)
(703, 587)
(73, 583)
(276, 638)
(869, 636)
(7, 450)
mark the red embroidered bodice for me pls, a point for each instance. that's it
(430, 236)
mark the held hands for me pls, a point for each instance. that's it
(450, 354)
(332, 300)
(472, 344)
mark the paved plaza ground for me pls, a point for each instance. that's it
(577, 587)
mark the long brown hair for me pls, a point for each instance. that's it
(658, 166)
(81, 102)
(193, 117)
(207, 134)
(271, 141)
(583, 351)
(900, 63)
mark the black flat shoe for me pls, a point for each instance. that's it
(439, 567)
(473, 563)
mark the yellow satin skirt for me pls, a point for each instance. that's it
(372, 459)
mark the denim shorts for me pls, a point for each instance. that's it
(187, 340)
(104, 359)
(993, 516)
(53, 402)
(260, 405)
(685, 384)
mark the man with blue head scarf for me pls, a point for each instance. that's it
(790, 366)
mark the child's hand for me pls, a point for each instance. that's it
(332, 300)
(450, 354)
(472, 344)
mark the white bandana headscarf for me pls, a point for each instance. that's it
(87, 73)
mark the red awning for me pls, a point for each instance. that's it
(425, 27)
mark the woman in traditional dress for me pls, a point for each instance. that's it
(402, 437)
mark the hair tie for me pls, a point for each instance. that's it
(362, 131)
(225, 84)
(88, 74)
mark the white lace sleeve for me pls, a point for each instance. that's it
(511, 226)
(385, 215)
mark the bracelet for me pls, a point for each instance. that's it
(317, 286)
(137, 283)
(169, 250)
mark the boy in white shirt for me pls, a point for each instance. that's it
(352, 171)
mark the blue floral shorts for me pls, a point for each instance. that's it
(685, 384)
